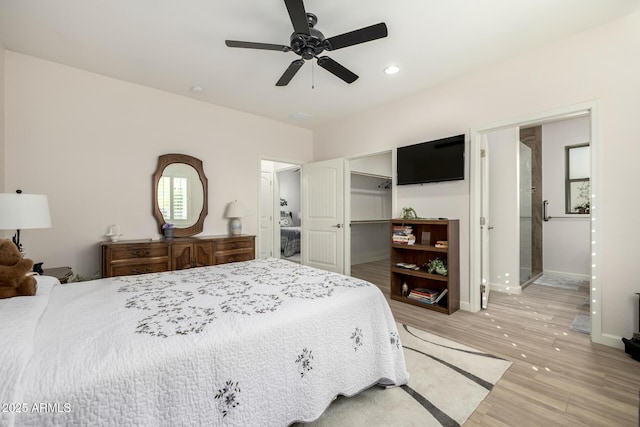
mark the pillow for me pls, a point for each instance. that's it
(286, 222)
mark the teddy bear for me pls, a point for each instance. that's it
(14, 280)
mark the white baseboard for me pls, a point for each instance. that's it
(610, 340)
(568, 275)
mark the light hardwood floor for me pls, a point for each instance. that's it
(558, 376)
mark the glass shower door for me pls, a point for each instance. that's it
(526, 213)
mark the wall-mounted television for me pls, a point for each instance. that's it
(431, 161)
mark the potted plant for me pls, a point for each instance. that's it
(409, 213)
(437, 266)
(167, 229)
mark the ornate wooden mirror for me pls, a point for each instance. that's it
(180, 191)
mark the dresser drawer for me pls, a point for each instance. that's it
(139, 251)
(142, 268)
(234, 244)
(234, 257)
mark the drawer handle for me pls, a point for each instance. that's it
(139, 253)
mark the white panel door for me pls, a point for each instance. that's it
(266, 215)
(323, 232)
(485, 222)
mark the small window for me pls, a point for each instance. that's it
(578, 184)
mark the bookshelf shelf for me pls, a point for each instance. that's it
(422, 252)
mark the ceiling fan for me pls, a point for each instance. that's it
(308, 43)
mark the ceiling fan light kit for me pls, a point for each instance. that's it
(308, 43)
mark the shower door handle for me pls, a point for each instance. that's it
(545, 206)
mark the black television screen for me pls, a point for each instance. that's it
(432, 161)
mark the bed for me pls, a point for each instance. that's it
(289, 235)
(264, 342)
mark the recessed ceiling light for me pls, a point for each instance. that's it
(391, 69)
(197, 89)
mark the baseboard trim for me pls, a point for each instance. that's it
(574, 276)
(609, 340)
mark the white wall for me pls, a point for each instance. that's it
(566, 241)
(598, 64)
(91, 143)
(2, 155)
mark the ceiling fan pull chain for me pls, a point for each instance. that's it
(313, 76)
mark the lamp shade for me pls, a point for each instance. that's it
(20, 211)
(235, 209)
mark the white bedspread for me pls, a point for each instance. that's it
(264, 342)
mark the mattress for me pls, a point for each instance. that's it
(264, 342)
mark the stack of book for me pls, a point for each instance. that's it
(442, 244)
(427, 296)
(403, 235)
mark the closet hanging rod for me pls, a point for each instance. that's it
(371, 175)
(370, 221)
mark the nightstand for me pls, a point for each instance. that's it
(63, 274)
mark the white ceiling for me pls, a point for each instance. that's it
(174, 45)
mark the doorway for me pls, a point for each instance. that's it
(589, 111)
(280, 210)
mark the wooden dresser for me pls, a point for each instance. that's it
(153, 256)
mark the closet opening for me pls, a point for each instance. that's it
(371, 197)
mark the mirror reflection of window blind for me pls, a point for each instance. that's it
(179, 198)
(172, 198)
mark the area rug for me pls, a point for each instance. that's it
(447, 382)
(558, 282)
(581, 323)
(585, 305)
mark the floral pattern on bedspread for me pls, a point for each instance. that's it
(305, 362)
(227, 397)
(176, 321)
(224, 289)
(356, 339)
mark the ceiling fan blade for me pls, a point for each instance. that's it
(298, 16)
(253, 45)
(351, 38)
(290, 72)
(336, 69)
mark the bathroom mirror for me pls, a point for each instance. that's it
(180, 191)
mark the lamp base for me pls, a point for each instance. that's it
(235, 226)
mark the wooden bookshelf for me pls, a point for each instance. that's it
(420, 253)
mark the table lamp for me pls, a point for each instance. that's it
(235, 211)
(20, 211)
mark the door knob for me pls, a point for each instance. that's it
(337, 225)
